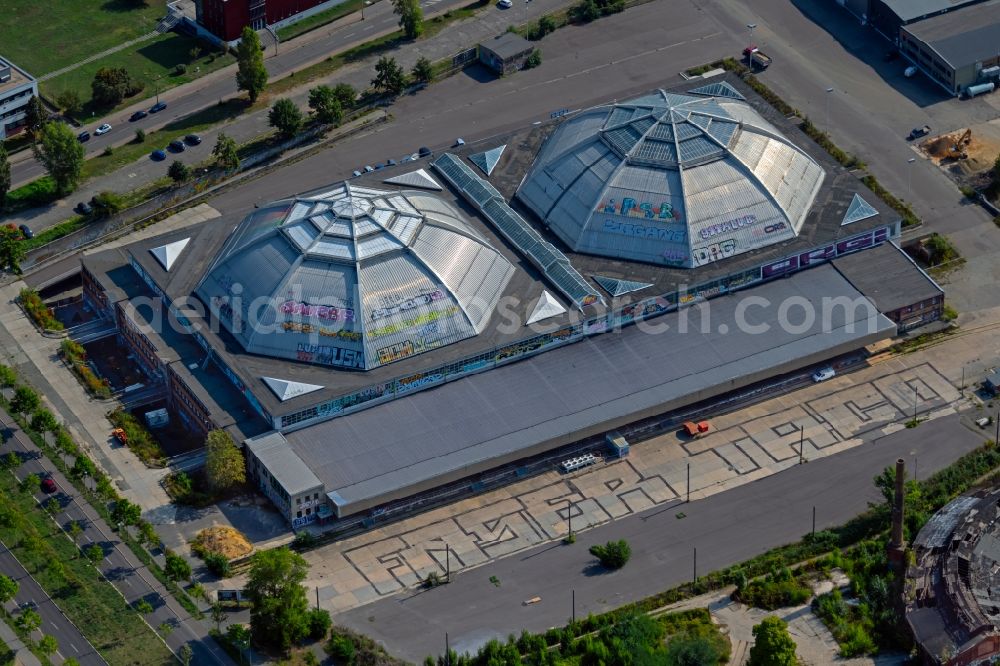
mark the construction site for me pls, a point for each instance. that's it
(968, 156)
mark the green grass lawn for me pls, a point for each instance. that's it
(319, 19)
(117, 631)
(42, 37)
(152, 62)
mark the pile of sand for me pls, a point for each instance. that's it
(222, 540)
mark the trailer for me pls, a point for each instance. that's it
(756, 59)
(695, 430)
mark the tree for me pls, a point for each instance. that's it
(251, 74)
(546, 24)
(319, 623)
(108, 203)
(11, 248)
(185, 654)
(11, 461)
(69, 101)
(773, 646)
(224, 465)
(325, 105)
(148, 534)
(389, 76)
(692, 649)
(585, 12)
(7, 376)
(61, 154)
(179, 171)
(28, 620)
(71, 661)
(219, 615)
(48, 645)
(94, 553)
(144, 607)
(226, 152)
(31, 484)
(4, 174)
(285, 117)
(34, 113)
(126, 513)
(280, 611)
(43, 421)
(8, 588)
(341, 648)
(422, 71)
(613, 554)
(140, 135)
(25, 400)
(345, 94)
(113, 84)
(534, 60)
(218, 564)
(177, 568)
(83, 466)
(411, 17)
(74, 530)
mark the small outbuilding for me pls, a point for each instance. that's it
(506, 53)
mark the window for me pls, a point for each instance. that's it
(298, 514)
(308, 511)
(298, 500)
(315, 496)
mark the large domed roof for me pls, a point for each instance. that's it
(672, 179)
(354, 277)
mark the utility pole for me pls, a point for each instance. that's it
(802, 442)
(689, 484)
(695, 572)
(447, 560)
(447, 651)
(828, 91)
(814, 522)
(996, 439)
(574, 607)
(569, 516)
(914, 404)
(317, 597)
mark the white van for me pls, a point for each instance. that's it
(910, 71)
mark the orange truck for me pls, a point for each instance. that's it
(120, 435)
(696, 430)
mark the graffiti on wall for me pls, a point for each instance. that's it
(631, 208)
(421, 319)
(821, 254)
(391, 306)
(669, 235)
(313, 329)
(339, 357)
(324, 312)
(714, 252)
(729, 225)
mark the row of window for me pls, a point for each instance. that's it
(24, 93)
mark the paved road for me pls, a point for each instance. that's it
(725, 528)
(199, 94)
(131, 578)
(54, 623)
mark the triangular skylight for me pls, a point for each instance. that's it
(418, 178)
(617, 287)
(719, 89)
(286, 389)
(167, 254)
(858, 210)
(547, 306)
(487, 161)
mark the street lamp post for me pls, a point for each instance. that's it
(569, 516)
(750, 27)
(828, 91)
(909, 178)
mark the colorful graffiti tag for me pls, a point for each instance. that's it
(631, 208)
(656, 233)
(325, 312)
(714, 252)
(422, 318)
(329, 355)
(408, 303)
(310, 329)
(729, 225)
(821, 254)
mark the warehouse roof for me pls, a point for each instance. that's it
(888, 277)
(508, 45)
(964, 37)
(293, 475)
(910, 10)
(498, 416)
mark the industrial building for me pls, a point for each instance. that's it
(959, 49)
(427, 326)
(953, 587)
(505, 53)
(16, 88)
(225, 19)
(889, 16)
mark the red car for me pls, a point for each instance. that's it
(48, 485)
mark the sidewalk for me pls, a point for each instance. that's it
(487, 24)
(22, 656)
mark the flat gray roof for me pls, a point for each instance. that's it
(289, 470)
(908, 10)
(888, 277)
(962, 37)
(18, 77)
(507, 45)
(477, 422)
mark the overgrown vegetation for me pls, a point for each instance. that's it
(36, 309)
(140, 441)
(775, 590)
(76, 356)
(613, 554)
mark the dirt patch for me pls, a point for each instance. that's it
(223, 540)
(980, 147)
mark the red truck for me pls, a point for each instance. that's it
(756, 59)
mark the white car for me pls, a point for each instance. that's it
(505, 4)
(103, 129)
(823, 374)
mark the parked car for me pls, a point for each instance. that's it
(103, 129)
(177, 146)
(83, 208)
(48, 485)
(424, 152)
(138, 115)
(192, 139)
(505, 4)
(26, 231)
(823, 374)
(369, 168)
(918, 132)
(390, 162)
(83, 136)
(159, 106)
(910, 71)
(158, 155)
(984, 421)
(379, 166)
(459, 142)
(356, 173)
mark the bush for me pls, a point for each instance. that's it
(140, 441)
(534, 60)
(38, 311)
(75, 355)
(36, 193)
(777, 590)
(969, 192)
(319, 623)
(180, 69)
(218, 564)
(613, 554)
(179, 172)
(341, 648)
(176, 568)
(108, 203)
(140, 135)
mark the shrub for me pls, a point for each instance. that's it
(218, 564)
(319, 623)
(180, 69)
(341, 648)
(76, 357)
(777, 590)
(140, 135)
(613, 554)
(534, 60)
(140, 441)
(38, 311)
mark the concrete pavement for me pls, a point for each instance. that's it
(120, 566)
